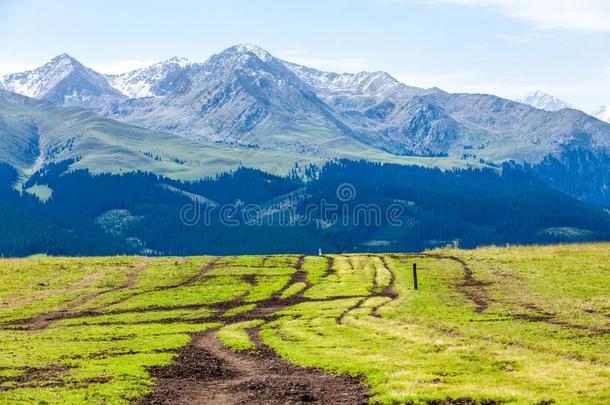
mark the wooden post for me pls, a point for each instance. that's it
(415, 275)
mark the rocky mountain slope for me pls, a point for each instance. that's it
(36, 133)
(240, 96)
(253, 106)
(244, 96)
(152, 81)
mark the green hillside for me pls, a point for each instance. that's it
(516, 325)
(35, 133)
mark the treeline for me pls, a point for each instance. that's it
(579, 172)
(344, 206)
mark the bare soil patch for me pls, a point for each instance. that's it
(206, 372)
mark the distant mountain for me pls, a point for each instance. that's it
(338, 88)
(603, 113)
(245, 97)
(544, 101)
(62, 81)
(378, 105)
(498, 129)
(35, 134)
(256, 108)
(242, 95)
(152, 81)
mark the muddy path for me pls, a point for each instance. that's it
(205, 372)
(471, 288)
(330, 262)
(208, 373)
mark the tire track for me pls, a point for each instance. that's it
(299, 276)
(190, 281)
(475, 291)
(208, 373)
(388, 292)
(85, 282)
(44, 320)
(330, 263)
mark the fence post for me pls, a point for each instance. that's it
(415, 275)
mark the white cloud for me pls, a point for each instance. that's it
(335, 65)
(587, 15)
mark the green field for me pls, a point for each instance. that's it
(520, 325)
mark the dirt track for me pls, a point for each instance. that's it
(207, 373)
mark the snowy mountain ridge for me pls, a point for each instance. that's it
(543, 101)
(153, 80)
(245, 97)
(361, 84)
(63, 76)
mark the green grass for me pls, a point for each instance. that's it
(236, 337)
(530, 324)
(293, 289)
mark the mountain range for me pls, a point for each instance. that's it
(243, 106)
(100, 164)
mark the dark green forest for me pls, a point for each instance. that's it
(344, 206)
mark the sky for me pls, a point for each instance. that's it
(503, 47)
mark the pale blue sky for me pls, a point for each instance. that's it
(505, 47)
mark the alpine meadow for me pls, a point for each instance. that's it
(339, 202)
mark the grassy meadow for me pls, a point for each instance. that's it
(522, 325)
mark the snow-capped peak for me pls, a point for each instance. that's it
(179, 60)
(255, 49)
(38, 82)
(242, 52)
(603, 113)
(64, 57)
(151, 81)
(543, 101)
